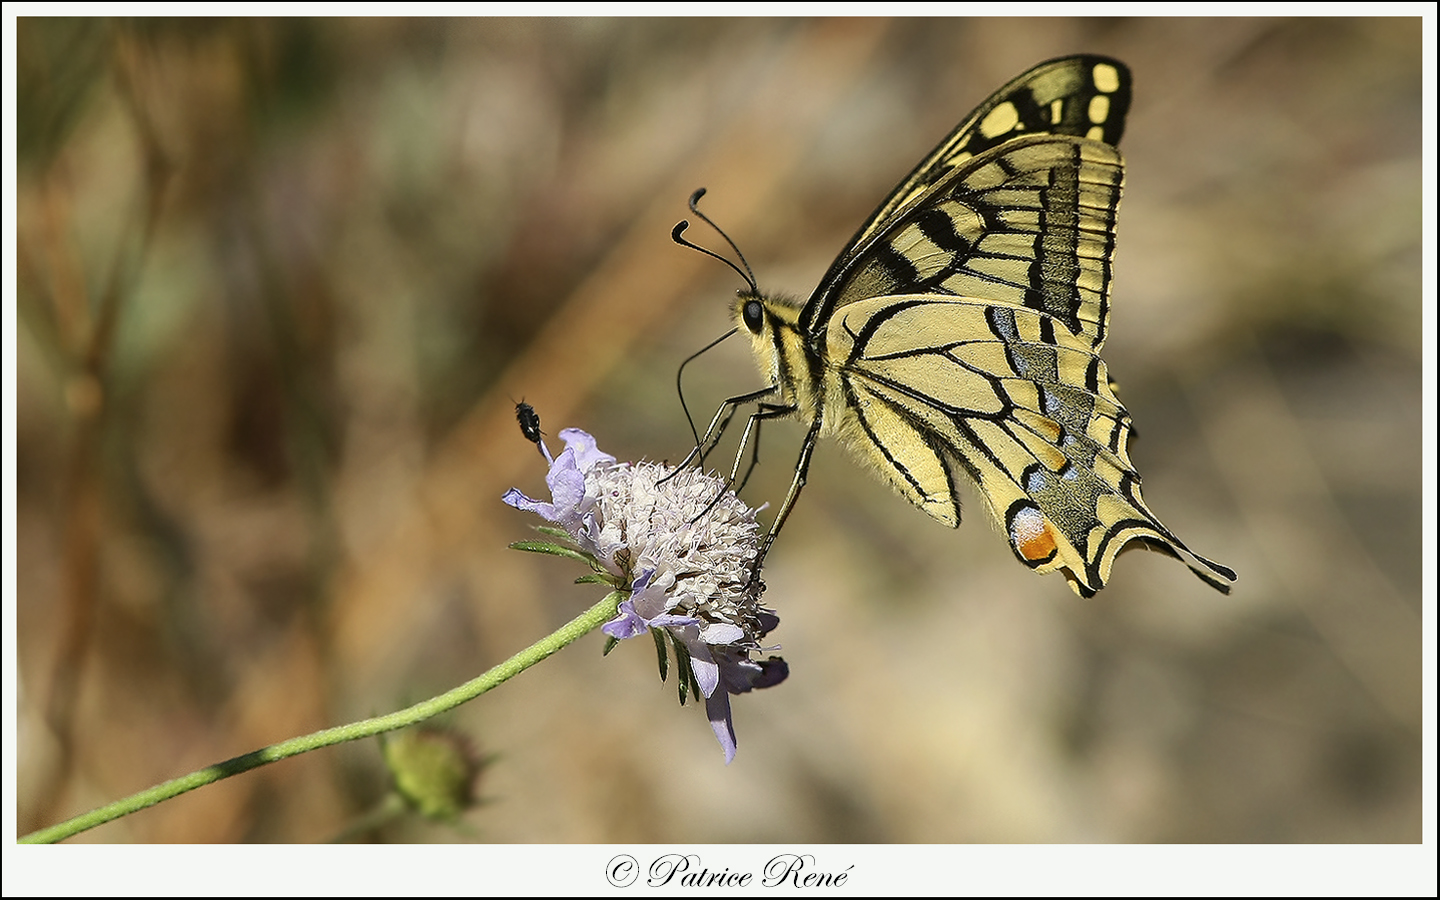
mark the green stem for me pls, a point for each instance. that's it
(571, 631)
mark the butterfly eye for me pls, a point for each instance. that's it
(754, 315)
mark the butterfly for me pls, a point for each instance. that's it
(960, 331)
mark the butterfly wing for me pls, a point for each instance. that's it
(1080, 96)
(1030, 223)
(1022, 405)
(969, 333)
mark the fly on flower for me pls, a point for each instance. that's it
(529, 421)
(682, 560)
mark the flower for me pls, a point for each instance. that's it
(682, 545)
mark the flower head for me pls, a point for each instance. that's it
(683, 556)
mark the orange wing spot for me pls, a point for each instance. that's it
(1031, 535)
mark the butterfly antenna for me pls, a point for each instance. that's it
(748, 274)
(676, 235)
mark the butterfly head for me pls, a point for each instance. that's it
(781, 350)
(764, 317)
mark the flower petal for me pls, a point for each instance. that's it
(522, 502)
(717, 710)
(722, 633)
(567, 486)
(582, 448)
(706, 669)
(625, 625)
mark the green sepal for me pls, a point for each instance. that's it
(687, 675)
(556, 550)
(660, 653)
(554, 532)
(688, 671)
(596, 578)
(610, 644)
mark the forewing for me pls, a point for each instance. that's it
(1082, 96)
(1029, 223)
(1021, 404)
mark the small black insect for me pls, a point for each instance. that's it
(529, 421)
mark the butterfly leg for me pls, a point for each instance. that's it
(719, 432)
(752, 432)
(726, 412)
(766, 411)
(802, 469)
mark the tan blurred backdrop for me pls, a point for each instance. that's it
(281, 282)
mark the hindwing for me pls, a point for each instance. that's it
(1022, 405)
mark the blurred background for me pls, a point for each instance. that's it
(280, 284)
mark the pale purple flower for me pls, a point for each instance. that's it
(571, 499)
(684, 558)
